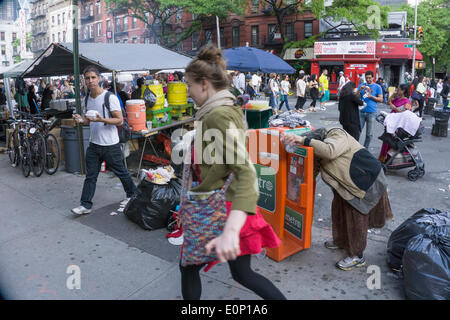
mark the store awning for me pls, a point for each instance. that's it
(298, 54)
(58, 58)
(396, 50)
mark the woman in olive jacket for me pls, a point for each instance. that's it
(245, 233)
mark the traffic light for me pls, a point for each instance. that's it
(420, 33)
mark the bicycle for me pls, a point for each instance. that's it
(19, 149)
(53, 150)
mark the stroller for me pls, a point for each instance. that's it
(402, 152)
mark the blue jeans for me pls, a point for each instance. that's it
(285, 99)
(368, 117)
(273, 101)
(112, 155)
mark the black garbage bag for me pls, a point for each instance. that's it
(418, 223)
(150, 98)
(150, 205)
(426, 265)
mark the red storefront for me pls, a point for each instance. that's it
(351, 57)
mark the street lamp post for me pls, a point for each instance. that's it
(76, 69)
(414, 45)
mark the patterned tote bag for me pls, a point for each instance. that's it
(203, 217)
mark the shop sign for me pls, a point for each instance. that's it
(358, 66)
(299, 53)
(293, 223)
(267, 187)
(344, 47)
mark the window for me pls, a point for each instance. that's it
(64, 36)
(134, 23)
(117, 24)
(91, 9)
(53, 37)
(91, 31)
(108, 25)
(14, 36)
(208, 36)
(195, 41)
(64, 18)
(3, 50)
(235, 36)
(59, 20)
(125, 41)
(125, 23)
(99, 29)
(2, 36)
(59, 36)
(193, 16)
(53, 19)
(290, 31)
(134, 40)
(255, 6)
(255, 35)
(271, 28)
(5, 63)
(99, 8)
(308, 29)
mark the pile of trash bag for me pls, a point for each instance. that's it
(290, 119)
(419, 251)
(150, 206)
(426, 265)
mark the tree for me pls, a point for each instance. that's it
(16, 44)
(433, 15)
(364, 16)
(157, 15)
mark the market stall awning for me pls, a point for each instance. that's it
(16, 70)
(57, 60)
(108, 57)
(396, 50)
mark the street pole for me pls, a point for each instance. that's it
(218, 32)
(76, 69)
(414, 46)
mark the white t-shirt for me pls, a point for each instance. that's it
(285, 86)
(341, 82)
(301, 88)
(101, 134)
(256, 80)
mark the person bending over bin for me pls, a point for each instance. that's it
(359, 187)
(104, 140)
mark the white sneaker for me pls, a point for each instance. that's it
(124, 202)
(81, 210)
(351, 263)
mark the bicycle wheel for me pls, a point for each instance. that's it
(53, 154)
(25, 159)
(38, 154)
(11, 148)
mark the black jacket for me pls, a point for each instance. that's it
(349, 111)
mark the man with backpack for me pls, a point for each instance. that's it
(107, 130)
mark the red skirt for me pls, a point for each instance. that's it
(255, 235)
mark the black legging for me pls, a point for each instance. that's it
(191, 286)
(420, 107)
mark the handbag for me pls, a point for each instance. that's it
(203, 219)
(416, 95)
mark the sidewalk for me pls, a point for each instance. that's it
(40, 238)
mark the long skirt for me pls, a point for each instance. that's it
(350, 226)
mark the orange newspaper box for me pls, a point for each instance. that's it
(286, 187)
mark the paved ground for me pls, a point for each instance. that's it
(40, 239)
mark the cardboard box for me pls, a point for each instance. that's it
(68, 122)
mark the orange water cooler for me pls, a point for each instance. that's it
(286, 185)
